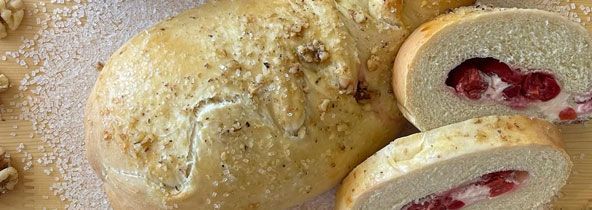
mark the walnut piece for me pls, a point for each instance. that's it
(314, 52)
(11, 14)
(4, 83)
(8, 175)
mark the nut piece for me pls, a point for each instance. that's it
(11, 14)
(8, 175)
(4, 83)
(314, 52)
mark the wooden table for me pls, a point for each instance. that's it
(33, 191)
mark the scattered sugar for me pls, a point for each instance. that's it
(74, 36)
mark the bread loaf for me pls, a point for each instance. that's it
(509, 162)
(246, 104)
(478, 62)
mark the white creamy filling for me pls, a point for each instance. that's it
(553, 107)
(585, 108)
(496, 88)
(472, 194)
(550, 109)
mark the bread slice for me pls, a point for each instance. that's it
(413, 167)
(530, 42)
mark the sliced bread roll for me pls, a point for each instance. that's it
(510, 162)
(478, 62)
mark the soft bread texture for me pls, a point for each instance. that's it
(526, 4)
(245, 104)
(531, 39)
(413, 167)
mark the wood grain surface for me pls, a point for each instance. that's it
(33, 190)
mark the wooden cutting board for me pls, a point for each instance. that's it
(33, 190)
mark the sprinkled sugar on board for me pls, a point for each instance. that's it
(53, 59)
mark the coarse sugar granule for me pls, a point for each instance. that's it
(73, 37)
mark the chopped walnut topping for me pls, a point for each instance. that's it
(4, 83)
(11, 14)
(145, 144)
(362, 93)
(294, 69)
(297, 29)
(8, 175)
(324, 105)
(358, 17)
(314, 52)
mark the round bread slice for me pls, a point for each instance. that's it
(478, 62)
(507, 162)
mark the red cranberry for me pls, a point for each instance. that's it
(540, 86)
(467, 80)
(492, 66)
(523, 89)
(498, 182)
(568, 114)
(512, 91)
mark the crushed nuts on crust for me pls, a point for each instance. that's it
(314, 52)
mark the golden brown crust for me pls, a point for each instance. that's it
(417, 12)
(468, 138)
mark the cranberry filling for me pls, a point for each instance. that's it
(468, 80)
(568, 114)
(486, 187)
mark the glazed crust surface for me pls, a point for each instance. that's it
(244, 104)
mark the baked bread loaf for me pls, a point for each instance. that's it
(245, 104)
(508, 162)
(479, 62)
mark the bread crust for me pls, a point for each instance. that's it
(405, 156)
